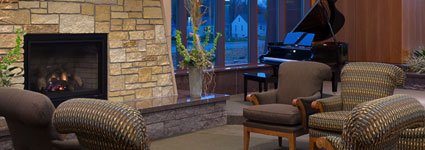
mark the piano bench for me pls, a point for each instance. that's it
(262, 78)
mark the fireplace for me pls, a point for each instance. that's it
(64, 66)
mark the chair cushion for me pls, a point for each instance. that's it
(328, 121)
(280, 114)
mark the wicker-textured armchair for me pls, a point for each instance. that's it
(377, 124)
(284, 112)
(100, 124)
(360, 82)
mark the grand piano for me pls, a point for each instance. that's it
(324, 21)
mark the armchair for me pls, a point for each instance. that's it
(284, 112)
(100, 124)
(29, 119)
(360, 82)
(377, 124)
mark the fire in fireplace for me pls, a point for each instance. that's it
(64, 66)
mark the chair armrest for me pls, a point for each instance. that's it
(329, 143)
(329, 104)
(268, 97)
(416, 133)
(304, 106)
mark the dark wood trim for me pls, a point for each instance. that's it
(181, 22)
(183, 72)
(253, 99)
(220, 27)
(252, 31)
(300, 105)
(281, 18)
(290, 135)
(317, 105)
(323, 143)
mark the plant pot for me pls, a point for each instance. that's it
(195, 82)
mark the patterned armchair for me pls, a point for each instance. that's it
(100, 124)
(377, 124)
(360, 82)
(412, 139)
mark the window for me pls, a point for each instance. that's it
(232, 18)
(262, 26)
(209, 18)
(236, 43)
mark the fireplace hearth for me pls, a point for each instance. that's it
(64, 66)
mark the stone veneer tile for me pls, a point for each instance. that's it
(39, 11)
(115, 69)
(102, 1)
(145, 74)
(9, 6)
(102, 27)
(103, 13)
(76, 24)
(136, 35)
(7, 40)
(116, 83)
(44, 19)
(118, 36)
(6, 28)
(129, 24)
(16, 17)
(144, 93)
(151, 3)
(160, 34)
(117, 55)
(152, 12)
(133, 5)
(64, 7)
(41, 28)
(87, 9)
(119, 15)
(29, 4)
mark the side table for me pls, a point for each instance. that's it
(262, 78)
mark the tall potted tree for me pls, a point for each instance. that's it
(197, 59)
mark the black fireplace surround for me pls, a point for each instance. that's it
(65, 66)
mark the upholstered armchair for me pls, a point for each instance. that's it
(360, 82)
(100, 124)
(28, 116)
(377, 124)
(284, 112)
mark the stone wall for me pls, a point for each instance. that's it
(139, 58)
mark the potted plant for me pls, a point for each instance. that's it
(416, 70)
(197, 59)
(7, 70)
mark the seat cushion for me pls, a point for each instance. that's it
(328, 121)
(280, 114)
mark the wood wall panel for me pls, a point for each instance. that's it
(382, 30)
(413, 25)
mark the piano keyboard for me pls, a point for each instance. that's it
(278, 60)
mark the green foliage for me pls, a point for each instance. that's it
(416, 61)
(7, 71)
(198, 56)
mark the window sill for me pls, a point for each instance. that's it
(182, 72)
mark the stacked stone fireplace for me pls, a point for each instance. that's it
(137, 58)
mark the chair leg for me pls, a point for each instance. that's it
(246, 136)
(280, 141)
(292, 142)
(312, 143)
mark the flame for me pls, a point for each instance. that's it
(64, 76)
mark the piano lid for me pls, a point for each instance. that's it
(316, 20)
